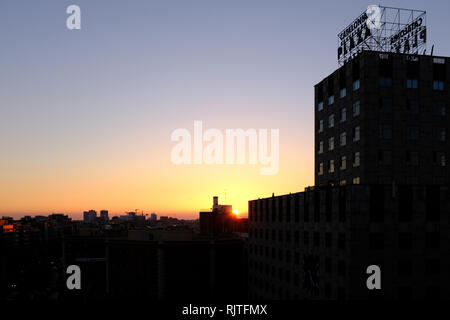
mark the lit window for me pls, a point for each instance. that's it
(331, 166)
(356, 159)
(356, 135)
(356, 108)
(331, 144)
(343, 163)
(442, 162)
(438, 85)
(320, 106)
(356, 85)
(330, 100)
(320, 147)
(320, 168)
(321, 126)
(343, 182)
(343, 139)
(356, 180)
(331, 121)
(343, 114)
(412, 83)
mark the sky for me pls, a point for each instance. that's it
(86, 116)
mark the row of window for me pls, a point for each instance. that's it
(385, 158)
(356, 162)
(376, 242)
(342, 140)
(343, 116)
(385, 106)
(342, 94)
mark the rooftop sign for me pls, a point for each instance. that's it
(383, 29)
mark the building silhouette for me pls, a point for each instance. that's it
(381, 194)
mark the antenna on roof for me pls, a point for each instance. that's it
(432, 49)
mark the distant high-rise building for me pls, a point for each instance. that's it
(104, 215)
(89, 216)
(153, 217)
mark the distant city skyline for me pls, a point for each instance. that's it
(86, 115)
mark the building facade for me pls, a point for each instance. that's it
(381, 194)
(319, 243)
(383, 118)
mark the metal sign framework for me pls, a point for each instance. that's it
(384, 29)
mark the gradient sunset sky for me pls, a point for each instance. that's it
(86, 116)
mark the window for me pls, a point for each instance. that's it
(330, 100)
(331, 144)
(385, 157)
(413, 133)
(412, 83)
(438, 85)
(386, 105)
(357, 180)
(343, 92)
(343, 114)
(412, 158)
(343, 139)
(331, 166)
(442, 162)
(440, 134)
(356, 107)
(439, 158)
(320, 147)
(386, 131)
(343, 163)
(343, 182)
(331, 121)
(439, 60)
(320, 126)
(356, 159)
(439, 109)
(320, 106)
(356, 135)
(385, 82)
(320, 169)
(413, 107)
(356, 85)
